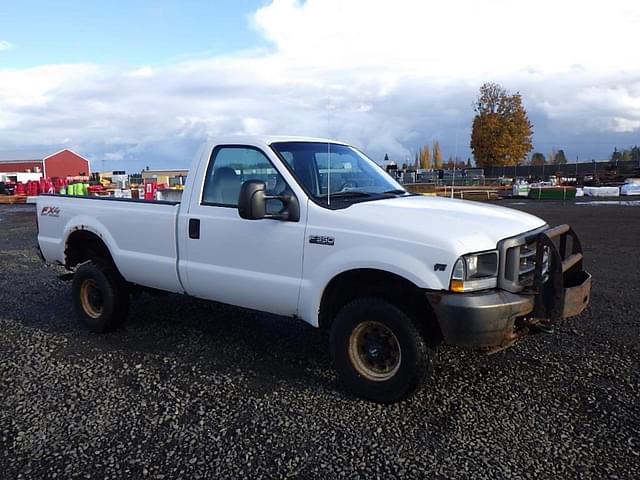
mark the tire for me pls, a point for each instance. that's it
(378, 351)
(100, 297)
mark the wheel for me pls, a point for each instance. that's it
(378, 351)
(100, 297)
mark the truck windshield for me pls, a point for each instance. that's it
(333, 172)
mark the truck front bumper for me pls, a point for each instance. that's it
(489, 318)
(483, 319)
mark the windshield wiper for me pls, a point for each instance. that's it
(397, 191)
(349, 194)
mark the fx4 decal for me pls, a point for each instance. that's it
(50, 212)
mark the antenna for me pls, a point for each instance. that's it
(328, 151)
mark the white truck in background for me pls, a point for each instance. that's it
(314, 229)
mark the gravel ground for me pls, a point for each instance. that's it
(200, 390)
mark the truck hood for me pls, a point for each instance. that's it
(471, 226)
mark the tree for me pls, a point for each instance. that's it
(616, 156)
(425, 157)
(538, 159)
(501, 131)
(626, 155)
(635, 153)
(386, 157)
(561, 158)
(438, 162)
(468, 163)
(451, 164)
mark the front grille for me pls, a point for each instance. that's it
(518, 262)
(527, 264)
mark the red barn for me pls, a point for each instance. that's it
(64, 163)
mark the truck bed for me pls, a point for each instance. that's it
(140, 234)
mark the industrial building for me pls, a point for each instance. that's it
(61, 164)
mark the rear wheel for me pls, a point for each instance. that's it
(378, 351)
(100, 297)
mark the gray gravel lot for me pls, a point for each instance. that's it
(200, 390)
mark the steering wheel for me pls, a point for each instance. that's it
(347, 184)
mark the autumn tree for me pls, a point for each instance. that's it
(425, 157)
(501, 131)
(438, 161)
(538, 159)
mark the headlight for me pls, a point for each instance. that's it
(477, 271)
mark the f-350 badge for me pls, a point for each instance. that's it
(321, 240)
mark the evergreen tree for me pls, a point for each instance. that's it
(560, 159)
(537, 159)
(616, 156)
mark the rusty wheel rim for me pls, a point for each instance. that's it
(374, 351)
(91, 298)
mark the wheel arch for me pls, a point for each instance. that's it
(83, 245)
(371, 282)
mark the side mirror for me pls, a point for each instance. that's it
(252, 203)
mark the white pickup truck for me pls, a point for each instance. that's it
(313, 229)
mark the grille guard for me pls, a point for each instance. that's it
(566, 290)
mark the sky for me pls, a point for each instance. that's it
(130, 84)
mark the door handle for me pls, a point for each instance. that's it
(194, 228)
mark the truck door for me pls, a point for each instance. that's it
(251, 263)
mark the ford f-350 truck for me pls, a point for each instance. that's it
(313, 229)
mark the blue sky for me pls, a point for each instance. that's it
(137, 83)
(124, 32)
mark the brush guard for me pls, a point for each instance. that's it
(564, 289)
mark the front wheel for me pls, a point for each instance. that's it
(100, 297)
(378, 351)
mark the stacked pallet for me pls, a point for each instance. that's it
(11, 199)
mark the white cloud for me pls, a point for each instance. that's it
(389, 75)
(5, 45)
(141, 72)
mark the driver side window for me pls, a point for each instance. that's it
(230, 167)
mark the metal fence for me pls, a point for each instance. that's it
(596, 169)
